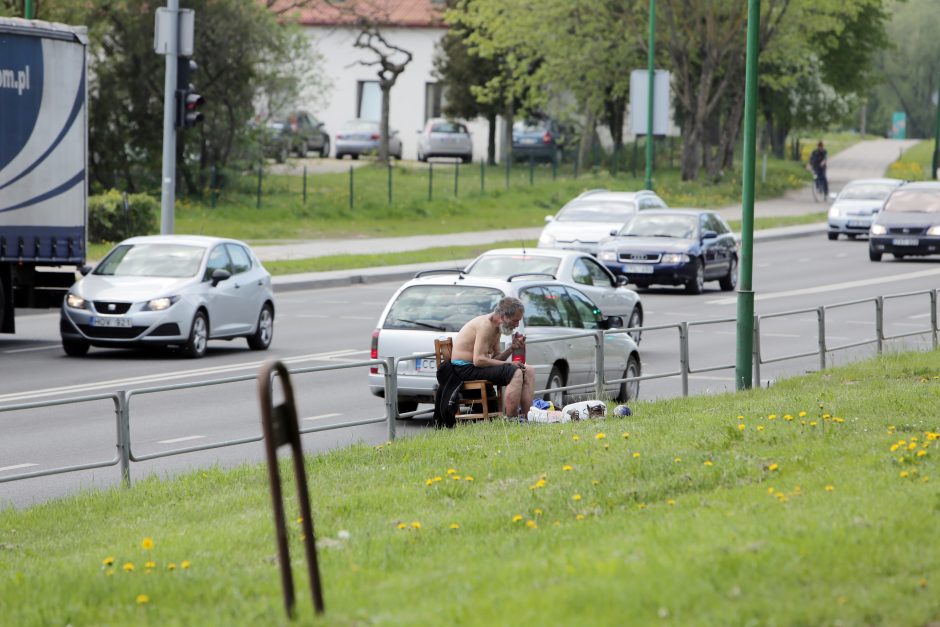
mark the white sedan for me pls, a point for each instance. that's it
(575, 268)
(170, 290)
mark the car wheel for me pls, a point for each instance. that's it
(340, 155)
(636, 320)
(198, 341)
(74, 348)
(406, 406)
(629, 390)
(697, 284)
(556, 379)
(832, 236)
(303, 149)
(730, 280)
(873, 255)
(354, 156)
(325, 149)
(421, 158)
(466, 158)
(261, 339)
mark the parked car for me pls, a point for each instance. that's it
(540, 140)
(571, 267)
(296, 133)
(170, 290)
(853, 210)
(909, 223)
(587, 220)
(438, 305)
(674, 247)
(445, 138)
(362, 137)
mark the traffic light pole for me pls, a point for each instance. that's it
(168, 186)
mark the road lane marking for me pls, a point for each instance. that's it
(34, 348)
(831, 287)
(86, 388)
(16, 467)
(184, 439)
(321, 416)
(304, 315)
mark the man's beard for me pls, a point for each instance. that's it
(506, 329)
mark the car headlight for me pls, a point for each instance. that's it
(607, 255)
(675, 258)
(877, 229)
(76, 302)
(835, 212)
(159, 304)
(546, 240)
(934, 230)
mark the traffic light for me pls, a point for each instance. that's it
(188, 101)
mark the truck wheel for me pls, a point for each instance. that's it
(74, 348)
(261, 338)
(198, 337)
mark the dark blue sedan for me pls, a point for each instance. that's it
(674, 247)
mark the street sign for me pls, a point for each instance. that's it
(163, 26)
(898, 125)
(639, 91)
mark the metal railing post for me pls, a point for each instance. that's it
(880, 321)
(123, 417)
(756, 350)
(821, 336)
(599, 392)
(391, 395)
(933, 317)
(684, 356)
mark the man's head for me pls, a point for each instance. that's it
(819, 145)
(508, 314)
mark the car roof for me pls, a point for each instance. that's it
(676, 211)
(192, 240)
(544, 252)
(925, 185)
(458, 278)
(608, 195)
(875, 181)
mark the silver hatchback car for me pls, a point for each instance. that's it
(445, 138)
(170, 290)
(434, 306)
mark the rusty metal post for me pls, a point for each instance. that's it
(279, 425)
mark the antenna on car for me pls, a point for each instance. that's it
(522, 241)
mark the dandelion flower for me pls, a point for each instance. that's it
(454, 526)
(709, 462)
(904, 474)
(415, 524)
(678, 460)
(740, 417)
(626, 435)
(142, 599)
(600, 436)
(773, 467)
(922, 583)
(641, 506)
(579, 517)
(921, 453)
(812, 423)
(456, 477)
(109, 572)
(894, 447)
(429, 482)
(567, 467)
(576, 497)
(517, 518)
(538, 511)
(468, 478)
(531, 524)
(147, 544)
(171, 566)
(402, 525)
(770, 490)
(108, 561)
(670, 502)
(437, 479)
(829, 488)
(760, 427)
(787, 417)
(185, 565)
(300, 520)
(741, 427)
(128, 567)
(772, 417)
(636, 456)
(150, 564)
(451, 471)
(802, 414)
(575, 437)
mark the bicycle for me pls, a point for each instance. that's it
(819, 192)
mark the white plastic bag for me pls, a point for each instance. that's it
(584, 410)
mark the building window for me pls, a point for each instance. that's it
(369, 100)
(434, 100)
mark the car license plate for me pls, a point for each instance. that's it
(858, 224)
(637, 268)
(426, 364)
(528, 140)
(905, 241)
(108, 321)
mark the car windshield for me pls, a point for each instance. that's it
(529, 127)
(152, 260)
(596, 211)
(448, 127)
(440, 307)
(914, 201)
(866, 191)
(647, 225)
(360, 125)
(506, 265)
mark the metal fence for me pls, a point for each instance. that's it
(121, 399)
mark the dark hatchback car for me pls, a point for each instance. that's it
(909, 223)
(539, 140)
(674, 247)
(296, 133)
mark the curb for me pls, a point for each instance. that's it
(342, 278)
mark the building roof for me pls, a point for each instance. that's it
(400, 13)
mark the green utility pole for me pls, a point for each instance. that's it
(649, 98)
(745, 342)
(936, 135)
(28, 11)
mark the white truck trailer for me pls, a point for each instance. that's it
(43, 162)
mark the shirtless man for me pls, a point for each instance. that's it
(476, 355)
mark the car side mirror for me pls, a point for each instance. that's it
(549, 218)
(612, 322)
(84, 270)
(622, 281)
(613, 232)
(219, 275)
(709, 234)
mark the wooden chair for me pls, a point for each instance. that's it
(480, 395)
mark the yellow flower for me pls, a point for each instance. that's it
(576, 497)
(600, 436)
(150, 564)
(109, 572)
(531, 524)
(108, 561)
(595, 481)
(402, 525)
(636, 456)
(894, 447)
(142, 599)
(741, 427)
(128, 567)
(837, 419)
(641, 506)
(921, 453)
(415, 524)
(812, 423)
(708, 462)
(567, 467)
(802, 414)
(437, 479)
(575, 437)
(468, 478)
(429, 482)
(300, 520)
(451, 471)
(538, 511)
(579, 517)
(171, 566)
(912, 446)
(455, 477)
(772, 417)
(185, 565)
(626, 435)
(740, 417)
(922, 583)
(760, 427)
(147, 544)
(787, 417)
(517, 518)
(904, 474)
(773, 467)
(678, 460)
(670, 502)
(829, 488)
(770, 490)
(454, 526)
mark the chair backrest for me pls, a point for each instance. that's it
(442, 350)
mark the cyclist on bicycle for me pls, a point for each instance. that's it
(817, 161)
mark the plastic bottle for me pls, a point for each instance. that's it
(518, 354)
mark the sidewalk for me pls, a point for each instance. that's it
(867, 159)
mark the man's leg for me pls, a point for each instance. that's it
(528, 390)
(513, 394)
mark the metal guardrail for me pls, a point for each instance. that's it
(122, 398)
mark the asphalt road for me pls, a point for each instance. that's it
(333, 326)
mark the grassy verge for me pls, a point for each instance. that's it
(808, 503)
(914, 164)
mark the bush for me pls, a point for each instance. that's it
(110, 221)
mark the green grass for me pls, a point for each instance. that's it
(719, 510)
(915, 163)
